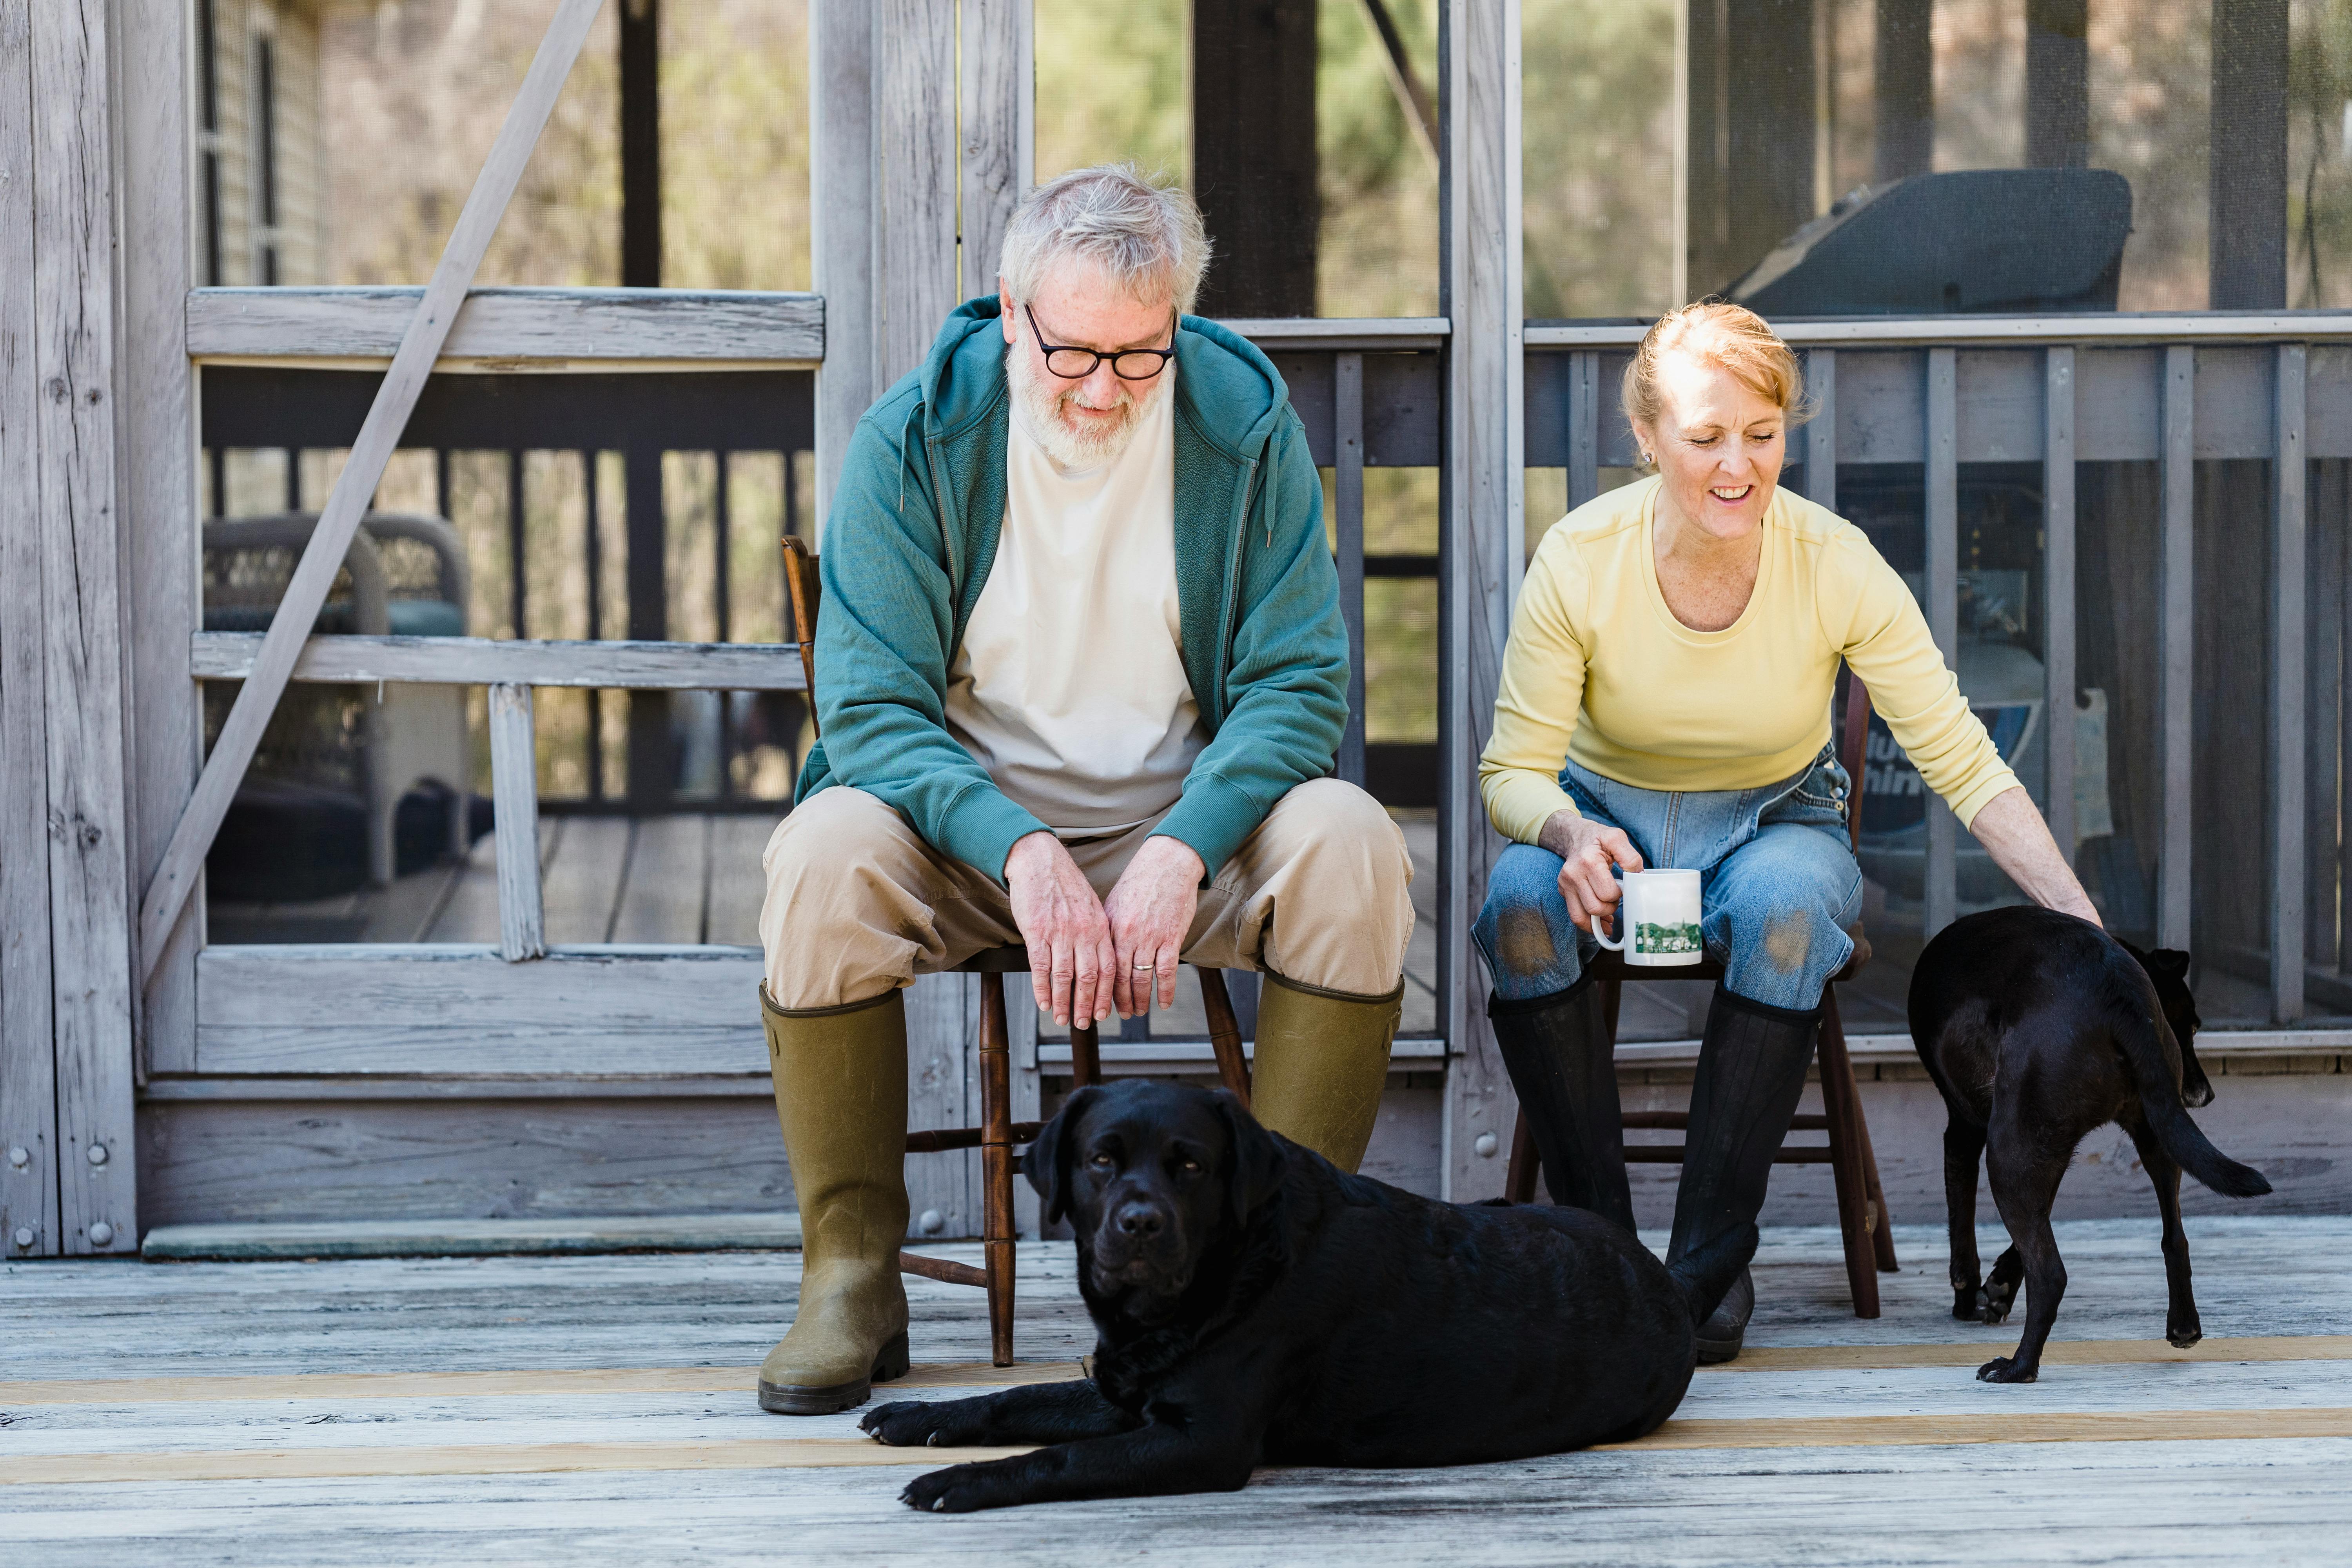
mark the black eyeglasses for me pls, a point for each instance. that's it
(1073, 364)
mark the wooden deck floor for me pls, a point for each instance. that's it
(599, 1409)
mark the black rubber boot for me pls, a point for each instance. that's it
(1556, 1048)
(1751, 1071)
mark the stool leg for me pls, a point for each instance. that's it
(1519, 1186)
(1224, 1034)
(996, 1164)
(1840, 1102)
(1085, 1055)
(1881, 1230)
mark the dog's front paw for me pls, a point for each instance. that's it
(2183, 1335)
(959, 1489)
(915, 1424)
(2007, 1369)
(921, 1423)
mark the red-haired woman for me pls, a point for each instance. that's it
(1664, 704)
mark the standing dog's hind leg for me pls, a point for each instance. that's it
(1999, 1293)
(1963, 1147)
(2023, 1187)
(2181, 1325)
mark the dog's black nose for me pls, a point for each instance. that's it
(1142, 1220)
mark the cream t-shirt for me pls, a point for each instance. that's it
(1069, 687)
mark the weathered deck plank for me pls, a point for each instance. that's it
(1829, 1460)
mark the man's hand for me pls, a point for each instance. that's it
(1070, 958)
(1589, 848)
(1151, 911)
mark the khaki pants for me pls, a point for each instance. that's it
(858, 902)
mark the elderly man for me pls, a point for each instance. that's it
(1082, 677)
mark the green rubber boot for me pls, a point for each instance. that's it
(1322, 1061)
(841, 1097)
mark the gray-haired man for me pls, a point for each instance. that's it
(1082, 678)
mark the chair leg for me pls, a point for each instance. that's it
(1224, 1034)
(1519, 1186)
(1882, 1228)
(1840, 1101)
(1085, 1055)
(996, 1164)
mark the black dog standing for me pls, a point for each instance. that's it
(1256, 1305)
(2037, 1027)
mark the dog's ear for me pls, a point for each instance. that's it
(1259, 1162)
(1047, 1163)
(2169, 961)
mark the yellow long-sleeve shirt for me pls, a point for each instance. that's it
(1598, 668)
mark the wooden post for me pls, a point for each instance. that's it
(1348, 498)
(1485, 507)
(842, 194)
(2247, 227)
(641, 198)
(159, 261)
(514, 792)
(28, 1096)
(914, 222)
(1943, 531)
(2058, 580)
(2290, 609)
(75, 436)
(1903, 89)
(1253, 154)
(2177, 644)
(2057, 84)
(1750, 137)
(998, 102)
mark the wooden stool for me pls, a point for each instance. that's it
(998, 1134)
(1861, 1205)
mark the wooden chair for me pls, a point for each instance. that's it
(998, 1135)
(1862, 1202)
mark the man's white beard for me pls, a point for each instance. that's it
(1042, 398)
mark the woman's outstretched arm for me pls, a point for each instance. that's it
(2019, 841)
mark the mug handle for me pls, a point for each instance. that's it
(1619, 945)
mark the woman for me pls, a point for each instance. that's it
(1665, 702)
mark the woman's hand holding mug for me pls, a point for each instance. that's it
(1588, 849)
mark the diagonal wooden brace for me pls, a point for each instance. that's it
(420, 346)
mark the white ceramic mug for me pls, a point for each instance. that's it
(1659, 914)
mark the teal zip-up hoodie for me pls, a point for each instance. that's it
(913, 532)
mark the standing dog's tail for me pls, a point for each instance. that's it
(2133, 1018)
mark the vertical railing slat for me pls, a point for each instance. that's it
(2322, 701)
(2289, 603)
(2058, 592)
(1821, 432)
(594, 556)
(1347, 486)
(722, 533)
(514, 794)
(2178, 631)
(1583, 427)
(517, 585)
(1943, 546)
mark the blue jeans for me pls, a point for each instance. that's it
(1779, 886)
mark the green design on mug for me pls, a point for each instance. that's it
(1653, 937)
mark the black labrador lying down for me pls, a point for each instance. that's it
(1256, 1305)
(2037, 1027)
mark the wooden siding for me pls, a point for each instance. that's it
(300, 234)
